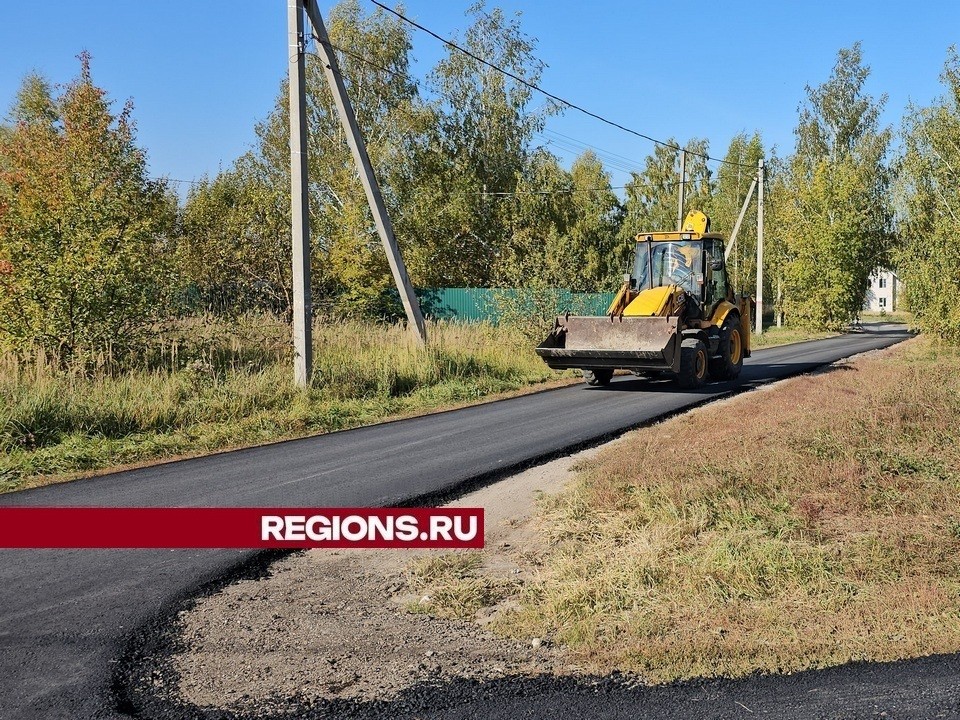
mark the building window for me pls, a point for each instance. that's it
(883, 302)
(883, 282)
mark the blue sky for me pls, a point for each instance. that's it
(201, 73)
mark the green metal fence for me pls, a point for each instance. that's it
(476, 304)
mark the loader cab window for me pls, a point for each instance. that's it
(672, 263)
(716, 279)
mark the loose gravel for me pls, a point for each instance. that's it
(349, 627)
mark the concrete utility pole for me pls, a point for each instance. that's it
(683, 182)
(299, 205)
(736, 225)
(355, 140)
(760, 183)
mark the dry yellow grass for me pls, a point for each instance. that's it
(806, 526)
(208, 384)
(215, 384)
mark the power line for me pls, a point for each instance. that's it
(565, 191)
(367, 61)
(576, 148)
(563, 142)
(567, 143)
(556, 98)
(614, 157)
(569, 191)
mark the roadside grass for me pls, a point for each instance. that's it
(209, 384)
(773, 336)
(452, 585)
(806, 526)
(897, 316)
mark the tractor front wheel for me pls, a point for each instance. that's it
(727, 365)
(693, 364)
(598, 376)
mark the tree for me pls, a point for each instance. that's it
(475, 152)
(831, 221)
(591, 242)
(564, 227)
(350, 271)
(235, 243)
(541, 213)
(653, 194)
(83, 229)
(730, 190)
(928, 261)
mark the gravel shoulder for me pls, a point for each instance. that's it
(351, 625)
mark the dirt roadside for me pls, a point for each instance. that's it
(351, 624)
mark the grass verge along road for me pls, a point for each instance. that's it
(806, 526)
(209, 385)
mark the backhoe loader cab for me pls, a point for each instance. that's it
(676, 311)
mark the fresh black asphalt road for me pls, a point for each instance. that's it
(66, 616)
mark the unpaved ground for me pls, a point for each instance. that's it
(348, 624)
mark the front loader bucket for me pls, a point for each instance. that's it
(629, 343)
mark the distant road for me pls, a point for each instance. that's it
(65, 616)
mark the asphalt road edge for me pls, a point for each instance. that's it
(137, 673)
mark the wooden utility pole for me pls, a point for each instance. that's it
(683, 182)
(299, 205)
(760, 183)
(367, 177)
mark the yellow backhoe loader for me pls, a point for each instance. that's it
(676, 312)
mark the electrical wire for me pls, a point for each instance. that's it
(629, 163)
(564, 142)
(556, 98)
(565, 191)
(575, 148)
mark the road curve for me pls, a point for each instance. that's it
(66, 615)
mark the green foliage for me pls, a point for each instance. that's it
(653, 194)
(830, 218)
(928, 259)
(234, 245)
(472, 205)
(564, 229)
(83, 230)
(730, 190)
(474, 154)
(242, 218)
(592, 234)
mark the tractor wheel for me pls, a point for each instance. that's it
(598, 376)
(730, 351)
(693, 364)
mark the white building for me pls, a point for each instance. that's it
(883, 293)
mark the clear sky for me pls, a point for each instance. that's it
(201, 73)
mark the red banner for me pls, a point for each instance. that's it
(78, 527)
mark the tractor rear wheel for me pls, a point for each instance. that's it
(597, 376)
(693, 364)
(730, 351)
